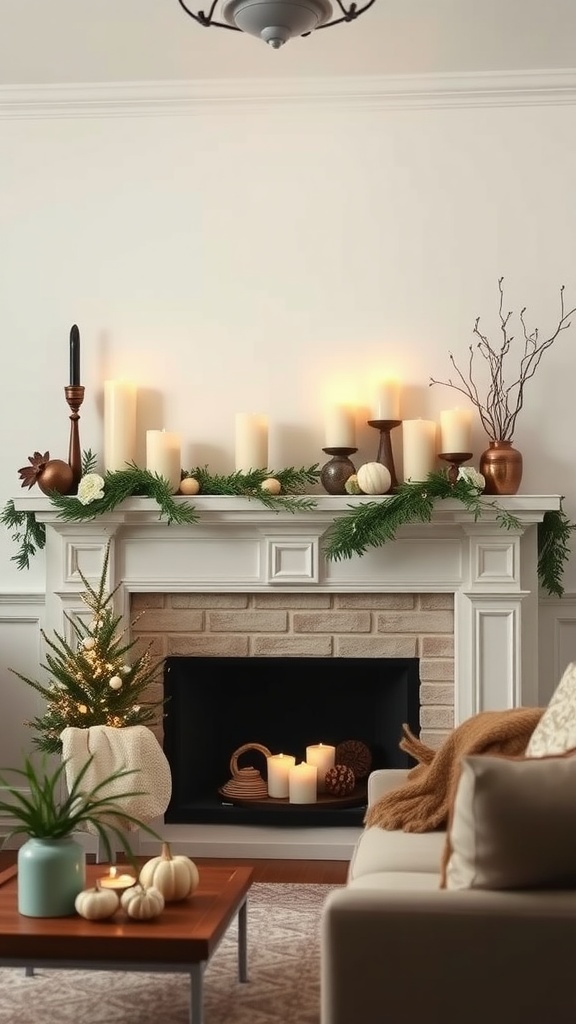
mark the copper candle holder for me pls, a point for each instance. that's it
(456, 459)
(385, 456)
(337, 471)
(74, 396)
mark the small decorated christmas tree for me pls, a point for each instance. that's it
(94, 681)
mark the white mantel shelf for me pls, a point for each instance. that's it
(239, 545)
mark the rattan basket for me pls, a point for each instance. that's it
(246, 783)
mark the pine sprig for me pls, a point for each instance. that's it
(249, 485)
(553, 549)
(28, 533)
(122, 484)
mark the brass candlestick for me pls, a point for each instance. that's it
(74, 396)
(456, 459)
(385, 456)
(336, 472)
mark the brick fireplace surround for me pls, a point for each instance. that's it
(460, 595)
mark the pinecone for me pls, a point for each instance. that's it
(340, 780)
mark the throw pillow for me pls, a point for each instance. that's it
(513, 824)
(556, 730)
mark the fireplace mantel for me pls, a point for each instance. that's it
(240, 545)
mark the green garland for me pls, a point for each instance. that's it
(376, 522)
(368, 525)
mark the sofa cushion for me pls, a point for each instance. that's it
(380, 850)
(513, 824)
(397, 881)
(556, 730)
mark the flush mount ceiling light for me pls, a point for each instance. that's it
(276, 21)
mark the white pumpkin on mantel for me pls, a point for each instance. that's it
(374, 478)
(175, 876)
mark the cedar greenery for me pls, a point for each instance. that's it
(42, 813)
(376, 522)
(80, 693)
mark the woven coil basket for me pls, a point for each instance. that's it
(246, 783)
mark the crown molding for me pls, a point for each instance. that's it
(210, 96)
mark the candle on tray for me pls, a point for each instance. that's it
(302, 781)
(455, 431)
(163, 456)
(74, 356)
(251, 442)
(419, 447)
(323, 756)
(119, 424)
(116, 881)
(279, 766)
(387, 404)
(340, 427)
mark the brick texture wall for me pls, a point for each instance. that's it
(311, 625)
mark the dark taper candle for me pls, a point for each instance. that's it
(74, 356)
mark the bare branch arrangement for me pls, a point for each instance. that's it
(499, 411)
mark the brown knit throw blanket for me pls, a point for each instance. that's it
(423, 803)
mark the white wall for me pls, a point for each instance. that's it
(271, 259)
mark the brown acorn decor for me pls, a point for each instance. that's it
(49, 474)
(340, 780)
(356, 755)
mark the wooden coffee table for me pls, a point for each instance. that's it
(182, 939)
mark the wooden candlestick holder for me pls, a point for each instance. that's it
(74, 396)
(385, 456)
(456, 459)
(336, 472)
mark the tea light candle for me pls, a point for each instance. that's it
(302, 781)
(340, 428)
(251, 442)
(419, 446)
(119, 424)
(116, 881)
(279, 766)
(323, 756)
(163, 456)
(455, 430)
(387, 404)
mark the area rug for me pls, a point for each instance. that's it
(283, 968)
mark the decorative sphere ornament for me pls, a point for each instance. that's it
(189, 485)
(271, 485)
(88, 643)
(56, 476)
(115, 683)
(374, 478)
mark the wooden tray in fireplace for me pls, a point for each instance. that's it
(356, 798)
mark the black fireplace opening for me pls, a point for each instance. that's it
(217, 705)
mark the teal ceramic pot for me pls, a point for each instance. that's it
(51, 873)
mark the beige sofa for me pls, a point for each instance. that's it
(398, 949)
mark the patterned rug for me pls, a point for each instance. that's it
(283, 967)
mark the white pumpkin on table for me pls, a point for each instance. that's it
(96, 904)
(175, 876)
(142, 902)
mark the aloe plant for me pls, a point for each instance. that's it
(42, 812)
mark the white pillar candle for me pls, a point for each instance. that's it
(323, 756)
(278, 767)
(387, 403)
(340, 427)
(119, 424)
(251, 442)
(302, 781)
(163, 456)
(419, 448)
(455, 430)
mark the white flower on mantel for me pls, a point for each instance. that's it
(90, 488)
(472, 476)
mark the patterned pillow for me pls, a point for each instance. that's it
(556, 730)
(513, 824)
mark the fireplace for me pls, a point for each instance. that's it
(218, 705)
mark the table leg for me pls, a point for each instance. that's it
(243, 942)
(197, 993)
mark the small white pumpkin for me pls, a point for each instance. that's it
(374, 478)
(96, 904)
(271, 485)
(176, 877)
(142, 903)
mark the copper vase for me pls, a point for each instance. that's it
(501, 467)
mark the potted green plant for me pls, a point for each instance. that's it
(51, 864)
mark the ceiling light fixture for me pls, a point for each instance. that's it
(276, 21)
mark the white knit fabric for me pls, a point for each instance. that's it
(133, 747)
